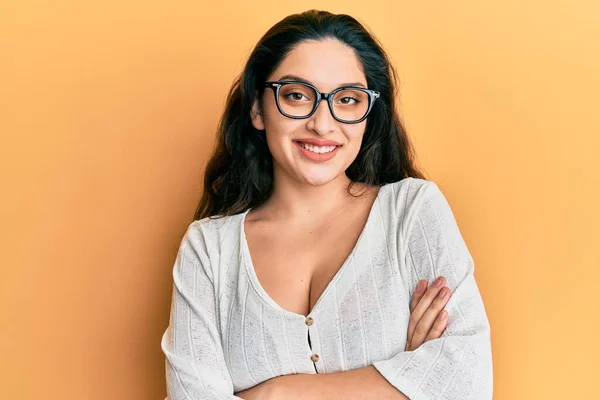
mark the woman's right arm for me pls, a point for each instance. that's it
(195, 365)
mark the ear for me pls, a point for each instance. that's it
(256, 115)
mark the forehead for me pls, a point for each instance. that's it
(326, 63)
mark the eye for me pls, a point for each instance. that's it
(348, 100)
(350, 97)
(295, 96)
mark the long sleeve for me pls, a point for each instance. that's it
(458, 365)
(195, 365)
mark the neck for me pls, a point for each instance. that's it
(295, 200)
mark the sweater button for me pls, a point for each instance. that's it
(309, 321)
(314, 357)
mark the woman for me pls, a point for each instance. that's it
(305, 274)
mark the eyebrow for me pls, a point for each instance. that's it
(297, 78)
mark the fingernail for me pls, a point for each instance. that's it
(438, 282)
(421, 286)
(444, 316)
(442, 293)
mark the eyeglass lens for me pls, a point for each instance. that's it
(298, 100)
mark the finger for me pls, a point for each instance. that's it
(426, 322)
(418, 294)
(438, 327)
(424, 304)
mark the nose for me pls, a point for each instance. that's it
(322, 122)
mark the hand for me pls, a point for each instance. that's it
(428, 319)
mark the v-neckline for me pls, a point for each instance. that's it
(253, 277)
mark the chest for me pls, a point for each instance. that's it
(295, 264)
(361, 316)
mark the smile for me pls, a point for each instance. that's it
(317, 149)
(316, 153)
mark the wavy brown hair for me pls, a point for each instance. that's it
(239, 174)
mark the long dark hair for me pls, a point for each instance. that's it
(239, 174)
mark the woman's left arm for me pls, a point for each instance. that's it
(458, 365)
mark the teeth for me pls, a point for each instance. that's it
(317, 149)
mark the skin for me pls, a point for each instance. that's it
(303, 188)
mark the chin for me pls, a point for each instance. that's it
(317, 182)
(317, 179)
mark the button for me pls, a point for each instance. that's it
(314, 357)
(309, 321)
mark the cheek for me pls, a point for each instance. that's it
(278, 128)
(272, 118)
(279, 131)
(354, 135)
(271, 114)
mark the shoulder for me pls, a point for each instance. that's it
(409, 193)
(213, 235)
(208, 240)
(215, 224)
(422, 210)
(411, 199)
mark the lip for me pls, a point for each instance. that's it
(319, 142)
(317, 157)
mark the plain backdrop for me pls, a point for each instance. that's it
(108, 113)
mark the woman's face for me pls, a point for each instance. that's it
(327, 64)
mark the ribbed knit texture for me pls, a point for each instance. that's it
(226, 334)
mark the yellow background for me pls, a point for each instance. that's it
(108, 113)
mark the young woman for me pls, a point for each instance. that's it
(305, 273)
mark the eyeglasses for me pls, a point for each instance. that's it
(299, 100)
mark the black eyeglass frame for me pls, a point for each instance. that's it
(276, 86)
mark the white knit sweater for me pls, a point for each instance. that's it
(226, 334)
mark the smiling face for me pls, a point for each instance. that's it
(318, 149)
